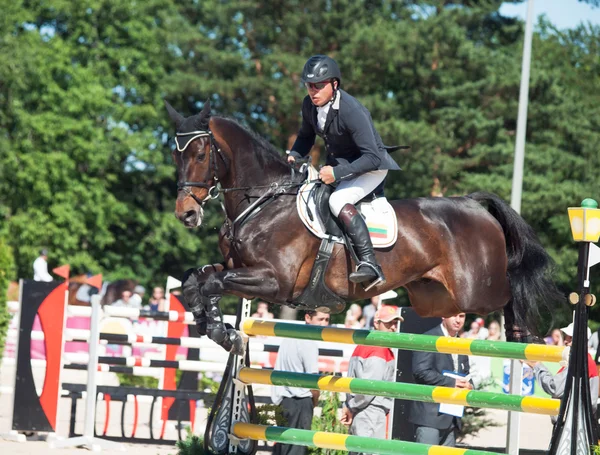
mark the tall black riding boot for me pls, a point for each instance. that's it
(354, 225)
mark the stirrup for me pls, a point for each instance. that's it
(379, 278)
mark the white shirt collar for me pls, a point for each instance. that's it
(322, 111)
(446, 333)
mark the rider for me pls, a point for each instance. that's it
(356, 156)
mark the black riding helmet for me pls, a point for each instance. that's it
(320, 68)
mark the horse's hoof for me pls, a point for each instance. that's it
(233, 342)
(237, 342)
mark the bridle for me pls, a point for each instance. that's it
(214, 150)
(273, 190)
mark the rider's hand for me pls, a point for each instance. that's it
(326, 175)
(291, 159)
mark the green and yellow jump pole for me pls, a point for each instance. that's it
(343, 441)
(405, 391)
(407, 341)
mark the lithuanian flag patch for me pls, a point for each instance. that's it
(378, 231)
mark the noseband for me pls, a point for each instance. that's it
(213, 190)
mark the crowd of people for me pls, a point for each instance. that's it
(365, 415)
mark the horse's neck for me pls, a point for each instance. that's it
(255, 183)
(248, 170)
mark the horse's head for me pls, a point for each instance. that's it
(196, 158)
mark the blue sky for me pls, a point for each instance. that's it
(562, 13)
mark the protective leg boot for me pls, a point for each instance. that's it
(194, 300)
(354, 225)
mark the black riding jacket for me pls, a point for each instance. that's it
(353, 145)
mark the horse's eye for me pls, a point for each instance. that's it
(200, 156)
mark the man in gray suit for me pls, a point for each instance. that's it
(432, 426)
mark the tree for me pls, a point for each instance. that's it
(83, 168)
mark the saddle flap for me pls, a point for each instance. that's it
(312, 204)
(381, 221)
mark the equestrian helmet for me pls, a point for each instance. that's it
(320, 68)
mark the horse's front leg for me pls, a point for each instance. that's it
(193, 280)
(247, 282)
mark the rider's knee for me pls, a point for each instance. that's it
(336, 202)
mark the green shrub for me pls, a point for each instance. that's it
(475, 419)
(192, 445)
(271, 414)
(7, 270)
(328, 422)
(145, 382)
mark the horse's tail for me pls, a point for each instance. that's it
(533, 292)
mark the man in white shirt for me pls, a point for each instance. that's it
(40, 267)
(298, 356)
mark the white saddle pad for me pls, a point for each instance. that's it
(378, 213)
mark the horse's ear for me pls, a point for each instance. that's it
(203, 117)
(206, 110)
(176, 117)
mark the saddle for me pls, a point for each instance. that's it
(312, 204)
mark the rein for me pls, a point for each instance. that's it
(215, 190)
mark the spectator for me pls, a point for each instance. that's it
(554, 385)
(555, 338)
(433, 368)
(369, 311)
(262, 311)
(494, 331)
(298, 356)
(40, 267)
(353, 317)
(157, 302)
(478, 330)
(138, 296)
(366, 414)
(126, 301)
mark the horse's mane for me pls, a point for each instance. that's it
(265, 152)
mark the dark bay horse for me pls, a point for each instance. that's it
(452, 255)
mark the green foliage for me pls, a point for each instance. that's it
(475, 419)
(328, 422)
(6, 273)
(271, 414)
(144, 382)
(85, 166)
(192, 445)
(595, 450)
(207, 385)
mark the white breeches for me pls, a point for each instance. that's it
(353, 190)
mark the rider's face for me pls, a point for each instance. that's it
(321, 92)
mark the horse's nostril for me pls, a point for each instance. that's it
(183, 216)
